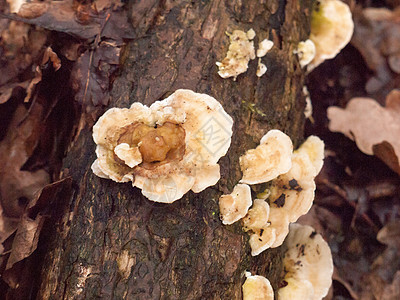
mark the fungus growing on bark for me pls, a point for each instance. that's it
(240, 51)
(308, 110)
(331, 29)
(257, 217)
(257, 287)
(273, 234)
(306, 52)
(270, 159)
(308, 265)
(263, 47)
(293, 191)
(234, 206)
(290, 196)
(258, 223)
(261, 68)
(165, 149)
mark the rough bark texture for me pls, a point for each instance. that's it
(110, 242)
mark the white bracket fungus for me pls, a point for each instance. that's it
(257, 287)
(293, 191)
(234, 206)
(270, 159)
(261, 68)
(308, 110)
(306, 51)
(166, 149)
(331, 29)
(308, 263)
(257, 222)
(240, 51)
(257, 217)
(290, 196)
(263, 47)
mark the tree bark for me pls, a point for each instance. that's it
(107, 241)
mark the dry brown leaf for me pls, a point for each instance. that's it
(92, 72)
(16, 56)
(18, 187)
(71, 51)
(25, 240)
(392, 291)
(7, 227)
(6, 91)
(377, 37)
(390, 234)
(49, 54)
(32, 9)
(29, 227)
(77, 20)
(370, 125)
(31, 87)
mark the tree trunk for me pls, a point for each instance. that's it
(108, 241)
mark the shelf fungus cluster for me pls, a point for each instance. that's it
(166, 149)
(308, 268)
(290, 194)
(240, 52)
(308, 265)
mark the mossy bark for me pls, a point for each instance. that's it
(112, 243)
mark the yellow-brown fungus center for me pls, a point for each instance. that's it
(158, 145)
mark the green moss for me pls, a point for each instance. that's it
(253, 108)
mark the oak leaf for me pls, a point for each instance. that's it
(374, 128)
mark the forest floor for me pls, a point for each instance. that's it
(357, 204)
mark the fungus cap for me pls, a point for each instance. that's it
(235, 206)
(293, 192)
(314, 147)
(263, 47)
(251, 34)
(279, 220)
(308, 258)
(257, 216)
(130, 155)
(165, 149)
(270, 159)
(273, 234)
(306, 51)
(299, 289)
(257, 287)
(331, 29)
(261, 68)
(256, 222)
(308, 110)
(262, 240)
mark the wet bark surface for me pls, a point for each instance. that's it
(106, 240)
